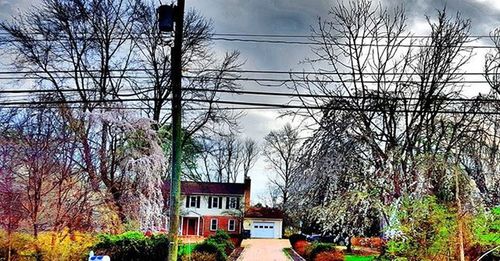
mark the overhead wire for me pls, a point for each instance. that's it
(246, 38)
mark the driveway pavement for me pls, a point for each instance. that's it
(264, 250)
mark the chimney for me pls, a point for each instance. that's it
(246, 195)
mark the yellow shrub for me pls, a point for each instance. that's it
(64, 245)
(54, 246)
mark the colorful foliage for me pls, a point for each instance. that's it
(55, 246)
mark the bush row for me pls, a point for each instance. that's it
(133, 246)
(63, 245)
(66, 245)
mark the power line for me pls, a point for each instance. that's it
(260, 79)
(253, 71)
(332, 36)
(289, 42)
(345, 44)
(288, 94)
(246, 38)
(264, 35)
(289, 106)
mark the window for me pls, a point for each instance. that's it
(233, 203)
(193, 202)
(213, 224)
(215, 202)
(231, 226)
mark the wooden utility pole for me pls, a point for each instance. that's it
(461, 251)
(175, 182)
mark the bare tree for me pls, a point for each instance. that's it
(388, 114)
(205, 73)
(281, 150)
(225, 158)
(92, 54)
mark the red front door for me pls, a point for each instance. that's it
(190, 226)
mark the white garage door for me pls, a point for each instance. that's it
(263, 230)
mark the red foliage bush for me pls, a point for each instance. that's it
(301, 247)
(373, 242)
(330, 256)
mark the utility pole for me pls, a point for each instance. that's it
(165, 15)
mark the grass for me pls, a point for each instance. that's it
(186, 249)
(358, 258)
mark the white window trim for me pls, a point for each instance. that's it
(229, 225)
(216, 200)
(216, 224)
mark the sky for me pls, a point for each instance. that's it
(295, 17)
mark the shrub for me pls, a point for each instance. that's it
(133, 246)
(316, 248)
(200, 256)
(300, 247)
(373, 242)
(63, 245)
(296, 237)
(222, 240)
(330, 256)
(427, 230)
(211, 247)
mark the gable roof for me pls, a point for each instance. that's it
(209, 188)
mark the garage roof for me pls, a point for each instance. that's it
(264, 212)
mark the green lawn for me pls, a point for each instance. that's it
(186, 249)
(358, 258)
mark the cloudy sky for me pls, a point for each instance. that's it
(295, 17)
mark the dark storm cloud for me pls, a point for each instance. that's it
(297, 17)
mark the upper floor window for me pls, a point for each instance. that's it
(215, 202)
(193, 201)
(233, 203)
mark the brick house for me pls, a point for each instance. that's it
(208, 206)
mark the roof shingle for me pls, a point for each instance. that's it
(209, 188)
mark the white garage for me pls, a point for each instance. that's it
(262, 230)
(263, 223)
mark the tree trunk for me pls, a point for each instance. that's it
(9, 238)
(349, 245)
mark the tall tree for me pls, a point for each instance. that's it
(91, 54)
(225, 158)
(281, 150)
(389, 113)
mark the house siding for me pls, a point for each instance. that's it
(204, 210)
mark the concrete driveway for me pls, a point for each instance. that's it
(264, 250)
